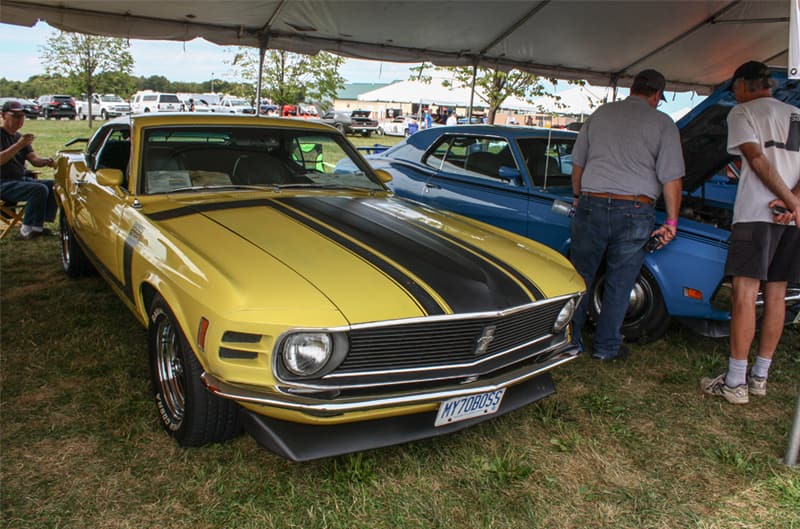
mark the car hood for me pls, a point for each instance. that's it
(704, 130)
(375, 259)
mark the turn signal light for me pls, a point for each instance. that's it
(202, 330)
(692, 293)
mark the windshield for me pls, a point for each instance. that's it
(179, 159)
(111, 99)
(239, 102)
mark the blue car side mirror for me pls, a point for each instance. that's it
(509, 173)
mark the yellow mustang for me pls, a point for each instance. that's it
(286, 290)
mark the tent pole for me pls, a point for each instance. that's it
(472, 93)
(794, 438)
(262, 52)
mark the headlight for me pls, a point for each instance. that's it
(306, 353)
(564, 316)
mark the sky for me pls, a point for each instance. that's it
(199, 60)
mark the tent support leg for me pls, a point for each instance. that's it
(262, 52)
(472, 93)
(794, 438)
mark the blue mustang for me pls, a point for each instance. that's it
(519, 178)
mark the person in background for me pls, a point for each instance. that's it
(765, 132)
(451, 119)
(625, 156)
(17, 184)
(428, 121)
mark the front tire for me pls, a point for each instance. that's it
(187, 410)
(73, 260)
(646, 319)
(103, 115)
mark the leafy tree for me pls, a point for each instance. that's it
(289, 78)
(496, 85)
(81, 58)
(420, 72)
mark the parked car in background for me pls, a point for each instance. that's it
(29, 108)
(56, 106)
(520, 179)
(233, 105)
(351, 122)
(399, 126)
(327, 315)
(104, 106)
(149, 101)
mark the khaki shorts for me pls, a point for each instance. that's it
(765, 251)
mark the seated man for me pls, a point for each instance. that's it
(16, 183)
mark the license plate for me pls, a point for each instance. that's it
(463, 408)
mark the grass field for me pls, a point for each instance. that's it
(625, 445)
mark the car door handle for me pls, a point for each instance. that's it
(428, 186)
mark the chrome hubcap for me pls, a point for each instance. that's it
(170, 372)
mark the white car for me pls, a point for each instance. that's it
(149, 101)
(400, 126)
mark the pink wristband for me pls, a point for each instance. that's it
(671, 222)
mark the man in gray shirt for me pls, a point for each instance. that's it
(626, 154)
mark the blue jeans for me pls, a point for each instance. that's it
(41, 202)
(613, 232)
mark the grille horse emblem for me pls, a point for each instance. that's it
(485, 339)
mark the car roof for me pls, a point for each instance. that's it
(188, 119)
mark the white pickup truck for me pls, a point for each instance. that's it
(104, 106)
(233, 105)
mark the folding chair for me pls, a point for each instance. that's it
(11, 214)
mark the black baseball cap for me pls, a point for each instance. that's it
(750, 71)
(652, 79)
(12, 106)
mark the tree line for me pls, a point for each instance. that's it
(77, 64)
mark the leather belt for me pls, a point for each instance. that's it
(644, 199)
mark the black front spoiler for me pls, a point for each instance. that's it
(304, 442)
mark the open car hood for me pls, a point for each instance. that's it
(704, 130)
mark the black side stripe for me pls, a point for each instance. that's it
(466, 281)
(420, 295)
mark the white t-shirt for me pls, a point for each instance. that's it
(451, 120)
(775, 127)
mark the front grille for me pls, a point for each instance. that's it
(446, 343)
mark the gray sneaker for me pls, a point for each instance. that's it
(757, 385)
(718, 388)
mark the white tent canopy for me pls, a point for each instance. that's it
(696, 44)
(574, 100)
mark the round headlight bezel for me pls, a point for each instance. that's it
(296, 355)
(565, 315)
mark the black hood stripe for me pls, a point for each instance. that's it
(523, 279)
(427, 302)
(468, 282)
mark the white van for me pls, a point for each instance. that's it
(149, 101)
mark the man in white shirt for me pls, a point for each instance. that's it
(764, 247)
(452, 119)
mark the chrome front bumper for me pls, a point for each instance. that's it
(282, 398)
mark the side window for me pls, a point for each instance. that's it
(549, 163)
(116, 153)
(473, 156)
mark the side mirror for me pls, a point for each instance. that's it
(109, 177)
(509, 173)
(384, 176)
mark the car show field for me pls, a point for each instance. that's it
(626, 445)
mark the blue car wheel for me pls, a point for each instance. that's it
(647, 319)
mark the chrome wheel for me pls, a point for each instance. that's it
(170, 375)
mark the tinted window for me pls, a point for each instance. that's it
(475, 156)
(203, 158)
(169, 98)
(149, 98)
(552, 159)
